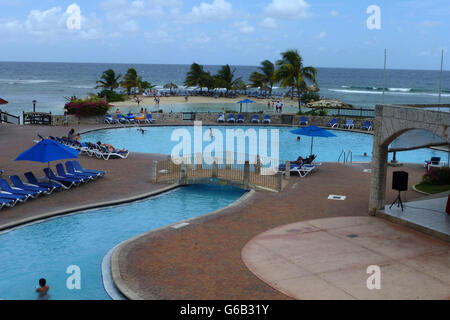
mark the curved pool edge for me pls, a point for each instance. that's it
(72, 210)
(107, 279)
(120, 283)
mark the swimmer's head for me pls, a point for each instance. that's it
(42, 282)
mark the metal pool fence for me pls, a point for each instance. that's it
(240, 169)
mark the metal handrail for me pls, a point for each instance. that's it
(350, 155)
(342, 152)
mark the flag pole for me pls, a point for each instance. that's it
(440, 77)
(384, 75)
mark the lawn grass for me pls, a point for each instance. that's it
(432, 189)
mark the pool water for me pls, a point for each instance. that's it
(47, 248)
(158, 140)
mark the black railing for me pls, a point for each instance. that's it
(9, 118)
(189, 116)
(346, 112)
(37, 118)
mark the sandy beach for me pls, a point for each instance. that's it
(193, 100)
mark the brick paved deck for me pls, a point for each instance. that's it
(125, 178)
(203, 260)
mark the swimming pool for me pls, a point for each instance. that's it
(158, 140)
(47, 248)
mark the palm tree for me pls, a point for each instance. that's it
(196, 76)
(225, 78)
(293, 74)
(131, 80)
(108, 80)
(266, 78)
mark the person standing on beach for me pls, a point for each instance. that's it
(66, 118)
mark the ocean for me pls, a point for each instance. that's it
(50, 83)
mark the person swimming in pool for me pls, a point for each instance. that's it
(43, 289)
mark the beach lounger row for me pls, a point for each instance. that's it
(130, 118)
(240, 119)
(72, 175)
(92, 149)
(349, 124)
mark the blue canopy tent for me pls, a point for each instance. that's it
(313, 131)
(246, 106)
(46, 151)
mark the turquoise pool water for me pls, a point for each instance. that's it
(47, 248)
(158, 140)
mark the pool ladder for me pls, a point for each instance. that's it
(346, 156)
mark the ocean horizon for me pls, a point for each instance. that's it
(50, 82)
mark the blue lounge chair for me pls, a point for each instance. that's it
(348, 124)
(68, 182)
(7, 202)
(15, 197)
(333, 123)
(303, 121)
(231, 119)
(240, 118)
(130, 118)
(367, 126)
(32, 180)
(19, 184)
(255, 119)
(71, 170)
(150, 119)
(62, 173)
(221, 118)
(110, 120)
(122, 119)
(4, 185)
(79, 168)
(267, 119)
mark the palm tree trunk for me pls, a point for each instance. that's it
(299, 100)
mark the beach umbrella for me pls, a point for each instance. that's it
(3, 101)
(170, 86)
(46, 151)
(245, 101)
(313, 131)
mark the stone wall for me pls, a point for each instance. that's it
(390, 122)
(211, 117)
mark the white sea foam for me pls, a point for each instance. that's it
(356, 91)
(391, 92)
(30, 81)
(400, 89)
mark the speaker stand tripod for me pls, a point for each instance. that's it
(398, 201)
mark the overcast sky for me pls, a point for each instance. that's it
(328, 33)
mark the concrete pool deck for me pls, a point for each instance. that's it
(203, 259)
(328, 259)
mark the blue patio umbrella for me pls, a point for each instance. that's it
(245, 101)
(313, 131)
(46, 151)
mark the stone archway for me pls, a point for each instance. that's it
(391, 122)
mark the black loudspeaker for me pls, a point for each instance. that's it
(400, 181)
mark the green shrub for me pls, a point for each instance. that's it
(310, 96)
(90, 106)
(111, 96)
